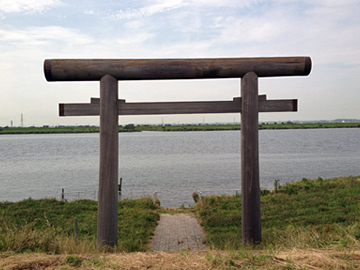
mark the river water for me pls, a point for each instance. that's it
(174, 163)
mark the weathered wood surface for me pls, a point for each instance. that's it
(236, 99)
(154, 108)
(250, 179)
(109, 163)
(260, 98)
(164, 69)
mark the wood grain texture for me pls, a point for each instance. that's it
(165, 69)
(155, 108)
(79, 109)
(250, 180)
(109, 163)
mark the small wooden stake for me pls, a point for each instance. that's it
(76, 231)
(109, 148)
(119, 189)
(120, 184)
(250, 186)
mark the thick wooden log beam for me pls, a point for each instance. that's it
(164, 69)
(250, 179)
(109, 163)
(156, 108)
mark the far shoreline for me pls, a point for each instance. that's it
(169, 128)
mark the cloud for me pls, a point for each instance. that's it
(225, 3)
(248, 30)
(134, 39)
(161, 6)
(158, 7)
(8, 6)
(89, 12)
(43, 36)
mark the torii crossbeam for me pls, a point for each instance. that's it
(109, 71)
(191, 107)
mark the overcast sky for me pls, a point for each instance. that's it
(34, 30)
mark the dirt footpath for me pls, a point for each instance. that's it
(178, 232)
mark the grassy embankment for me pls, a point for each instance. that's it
(315, 220)
(47, 225)
(312, 224)
(307, 214)
(129, 128)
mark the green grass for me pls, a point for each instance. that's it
(311, 213)
(47, 225)
(188, 128)
(308, 125)
(307, 214)
(49, 130)
(130, 128)
(238, 127)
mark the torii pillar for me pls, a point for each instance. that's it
(107, 221)
(250, 179)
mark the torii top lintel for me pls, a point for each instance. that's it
(165, 69)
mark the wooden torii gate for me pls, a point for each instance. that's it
(110, 71)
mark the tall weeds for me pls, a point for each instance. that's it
(28, 238)
(47, 225)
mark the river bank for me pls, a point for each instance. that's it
(307, 224)
(200, 127)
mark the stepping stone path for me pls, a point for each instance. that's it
(178, 232)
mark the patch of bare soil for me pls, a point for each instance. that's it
(288, 259)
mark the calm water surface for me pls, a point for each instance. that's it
(173, 163)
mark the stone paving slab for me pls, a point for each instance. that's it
(177, 232)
